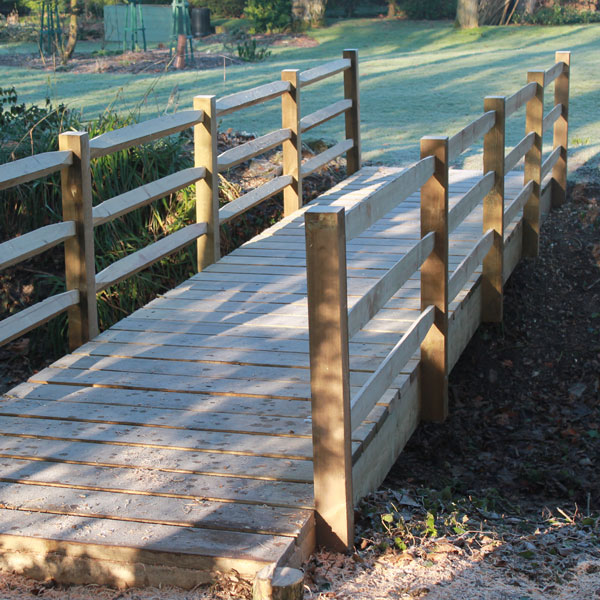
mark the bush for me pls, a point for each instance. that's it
(558, 15)
(222, 8)
(269, 15)
(432, 9)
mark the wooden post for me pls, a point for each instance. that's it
(534, 121)
(561, 131)
(292, 148)
(207, 189)
(493, 213)
(434, 283)
(351, 92)
(80, 270)
(330, 376)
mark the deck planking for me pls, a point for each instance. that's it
(178, 442)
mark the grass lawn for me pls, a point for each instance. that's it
(417, 78)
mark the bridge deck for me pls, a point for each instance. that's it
(178, 442)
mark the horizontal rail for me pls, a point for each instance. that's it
(552, 117)
(463, 208)
(518, 152)
(145, 257)
(370, 304)
(32, 167)
(520, 98)
(144, 132)
(20, 323)
(324, 114)
(553, 72)
(310, 166)
(461, 141)
(366, 212)
(390, 367)
(517, 204)
(550, 162)
(262, 93)
(253, 148)
(35, 242)
(323, 71)
(240, 205)
(467, 267)
(143, 195)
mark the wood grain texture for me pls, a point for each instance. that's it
(314, 164)
(561, 129)
(260, 145)
(465, 138)
(292, 147)
(251, 97)
(33, 167)
(323, 71)
(324, 114)
(352, 93)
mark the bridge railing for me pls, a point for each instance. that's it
(335, 414)
(77, 151)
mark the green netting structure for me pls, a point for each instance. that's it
(50, 29)
(134, 25)
(181, 25)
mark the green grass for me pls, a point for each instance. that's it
(417, 78)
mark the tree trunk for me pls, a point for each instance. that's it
(392, 8)
(68, 50)
(467, 13)
(308, 12)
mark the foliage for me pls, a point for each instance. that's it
(250, 50)
(558, 15)
(433, 9)
(222, 8)
(269, 15)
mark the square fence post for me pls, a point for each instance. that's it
(493, 213)
(330, 376)
(434, 283)
(561, 131)
(292, 148)
(80, 268)
(207, 189)
(351, 92)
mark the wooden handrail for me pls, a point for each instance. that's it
(313, 164)
(323, 71)
(370, 304)
(461, 141)
(549, 163)
(137, 261)
(324, 114)
(380, 381)
(32, 167)
(517, 204)
(144, 132)
(468, 265)
(260, 145)
(240, 205)
(245, 98)
(20, 323)
(552, 116)
(520, 98)
(145, 194)
(470, 200)
(35, 242)
(518, 152)
(553, 72)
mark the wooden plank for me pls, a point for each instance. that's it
(253, 148)
(463, 140)
(553, 73)
(361, 216)
(380, 381)
(517, 204)
(143, 133)
(520, 98)
(33, 167)
(549, 163)
(313, 164)
(324, 114)
(366, 308)
(352, 92)
(145, 194)
(561, 130)
(35, 242)
(20, 323)
(465, 206)
(251, 97)
(80, 268)
(323, 71)
(467, 267)
(240, 205)
(292, 148)
(329, 376)
(137, 261)
(553, 116)
(518, 152)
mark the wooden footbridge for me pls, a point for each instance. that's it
(235, 422)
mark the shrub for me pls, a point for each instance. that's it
(558, 15)
(222, 8)
(269, 15)
(432, 9)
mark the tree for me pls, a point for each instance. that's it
(67, 50)
(306, 13)
(467, 13)
(472, 13)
